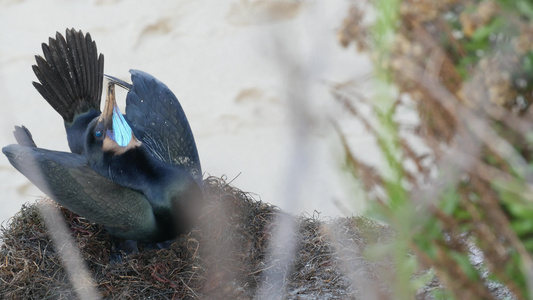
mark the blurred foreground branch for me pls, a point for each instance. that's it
(466, 210)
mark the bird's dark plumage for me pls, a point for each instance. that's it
(167, 181)
(159, 122)
(68, 179)
(137, 174)
(70, 80)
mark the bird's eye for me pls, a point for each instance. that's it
(98, 133)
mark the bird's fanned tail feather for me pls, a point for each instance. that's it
(70, 74)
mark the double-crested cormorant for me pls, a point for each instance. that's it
(137, 174)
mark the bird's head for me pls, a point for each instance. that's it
(110, 132)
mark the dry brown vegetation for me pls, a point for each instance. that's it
(466, 68)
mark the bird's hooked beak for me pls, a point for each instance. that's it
(119, 136)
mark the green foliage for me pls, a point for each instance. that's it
(450, 201)
(441, 294)
(522, 8)
(480, 40)
(527, 63)
(464, 214)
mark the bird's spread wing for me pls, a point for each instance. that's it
(159, 121)
(67, 179)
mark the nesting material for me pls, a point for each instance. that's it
(225, 257)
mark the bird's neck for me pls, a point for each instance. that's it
(76, 130)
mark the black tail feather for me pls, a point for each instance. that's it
(70, 74)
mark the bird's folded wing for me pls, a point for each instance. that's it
(158, 120)
(67, 179)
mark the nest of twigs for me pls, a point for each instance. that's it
(223, 258)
